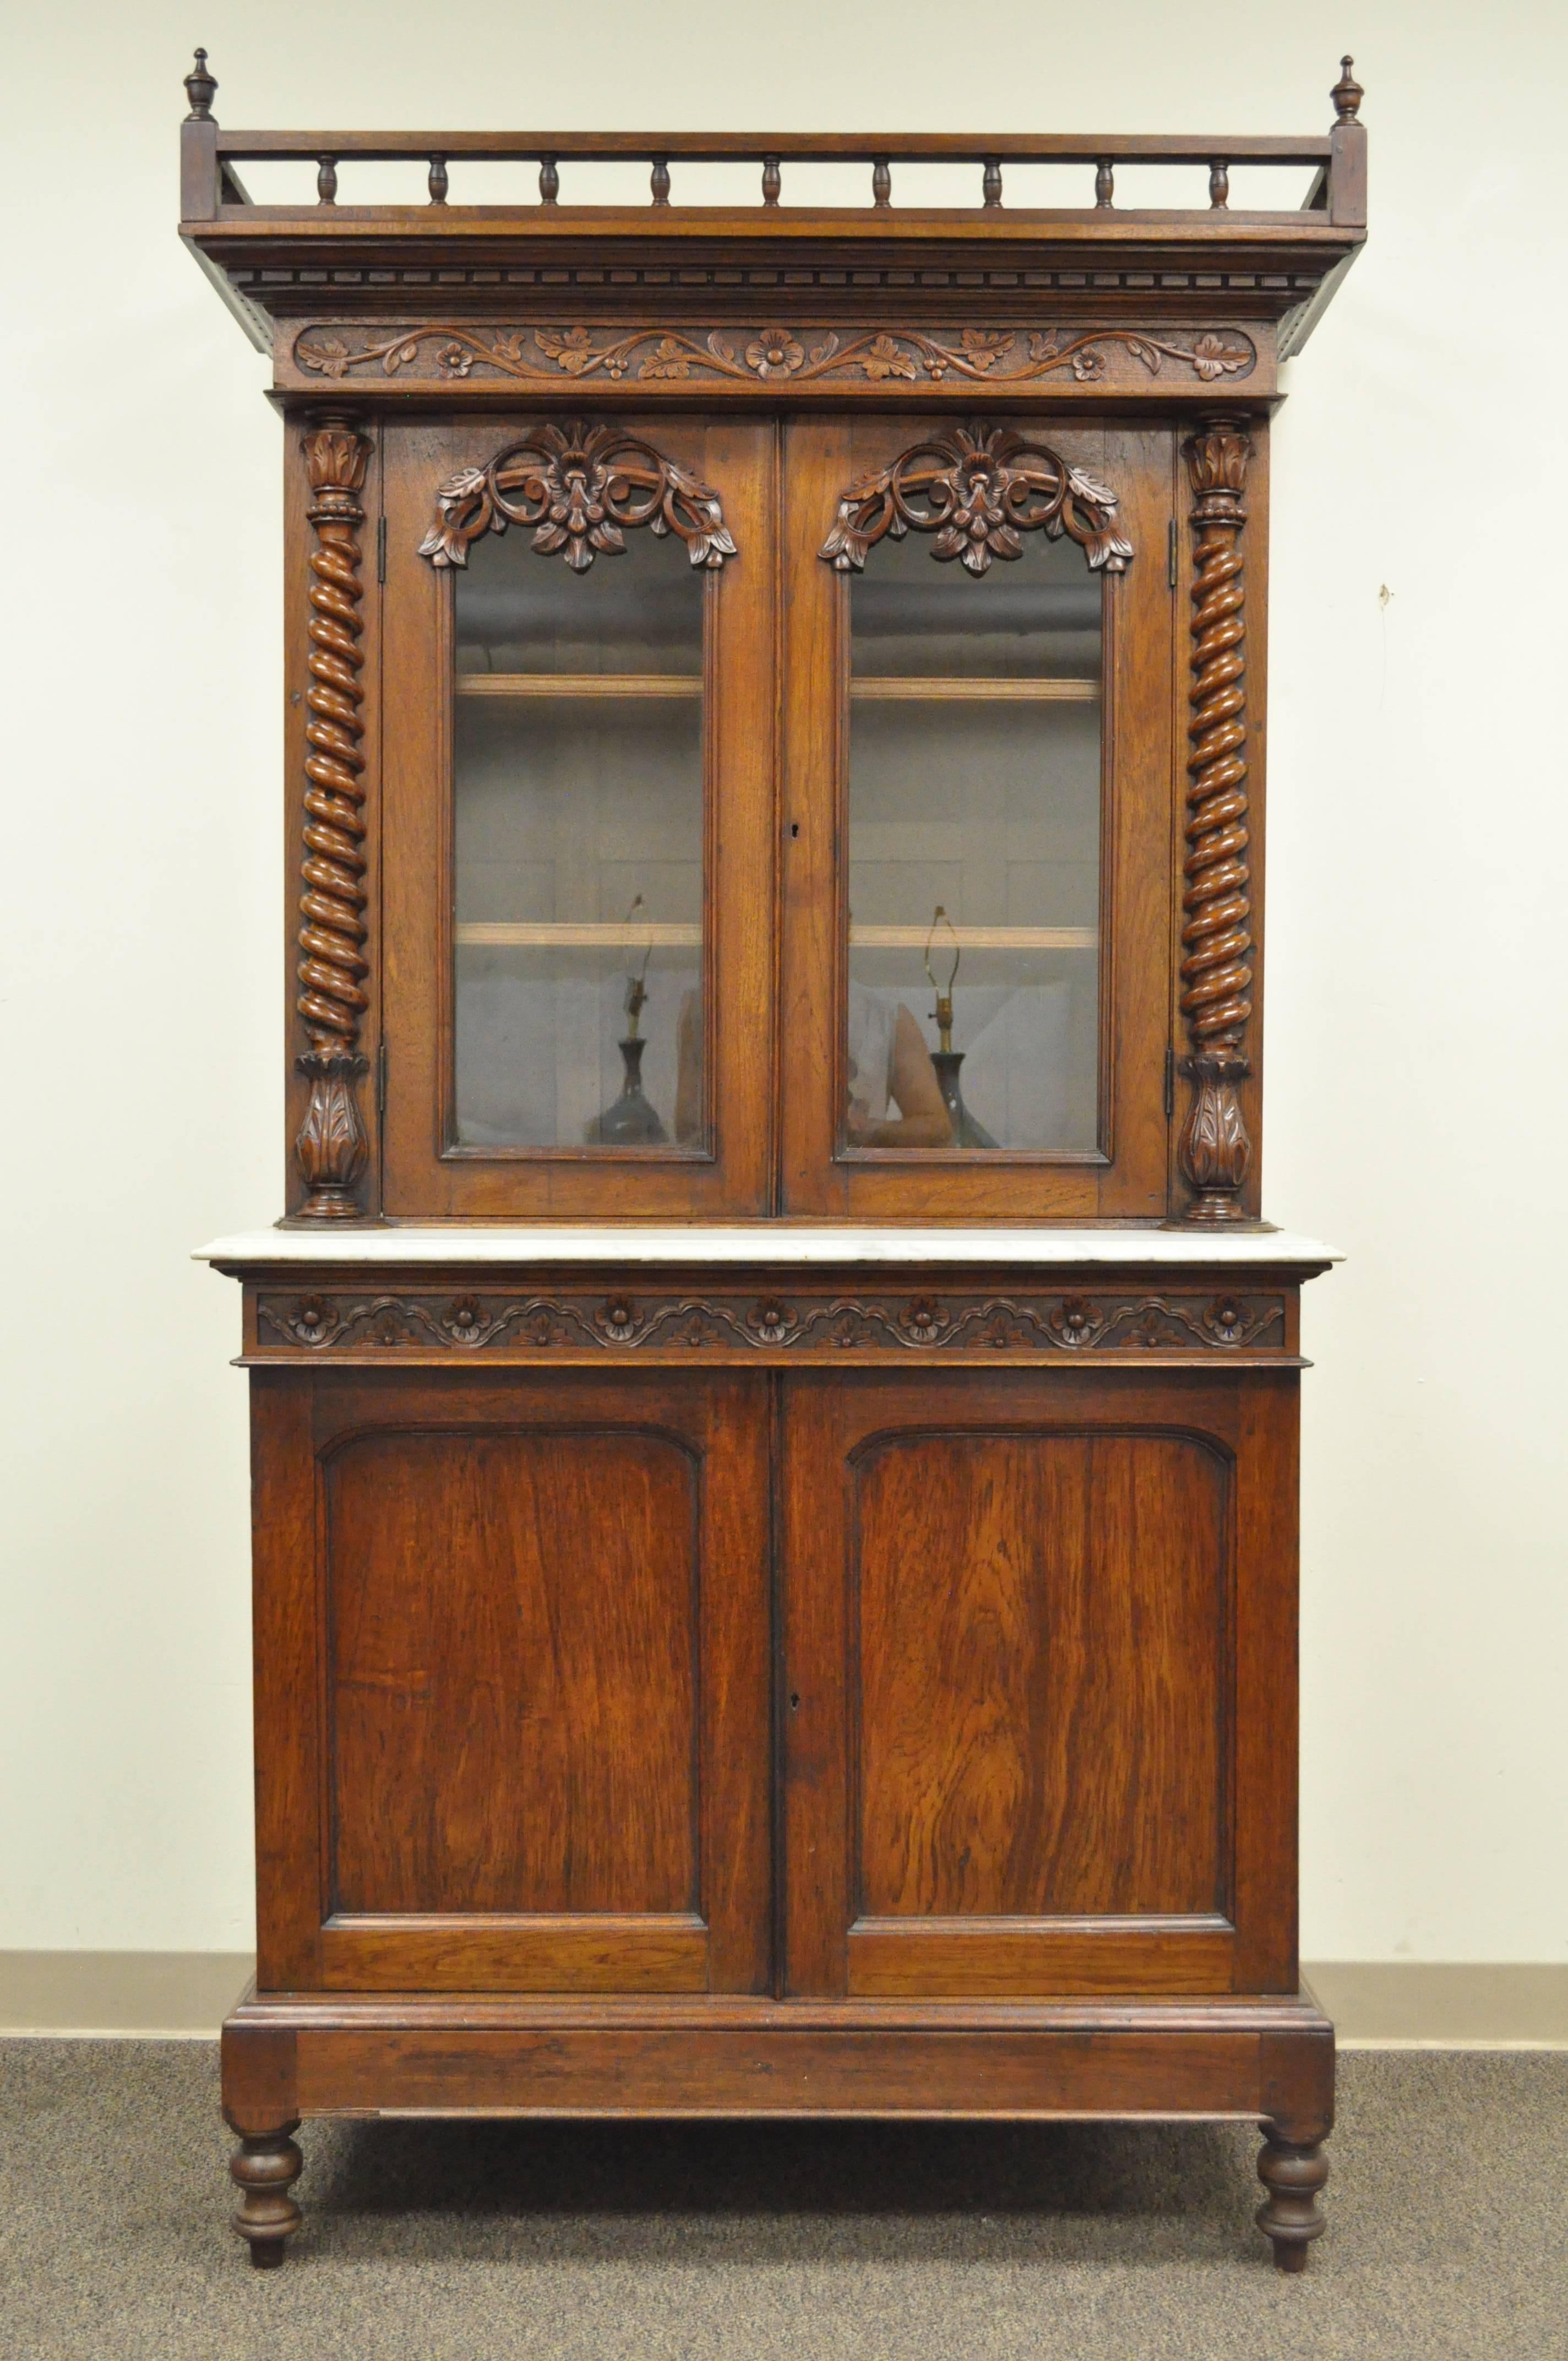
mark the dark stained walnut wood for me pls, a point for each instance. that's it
(581, 488)
(976, 490)
(1214, 1152)
(265, 2168)
(777, 1319)
(772, 1687)
(331, 1147)
(1289, 2217)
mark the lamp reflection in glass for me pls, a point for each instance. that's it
(947, 1060)
(632, 1121)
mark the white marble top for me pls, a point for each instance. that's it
(764, 1242)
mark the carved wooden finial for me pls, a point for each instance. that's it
(1347, 94)
(200, 88)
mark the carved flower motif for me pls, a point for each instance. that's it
(1000, 1330)
(771, 1322)
(618, 1317)
(465, 1321)
(774, 352)
(454, 360)
(1075, 1324)
(1151, 1330)
(545, 1328)
(850, 1328)
(1089, 364)
(313, 1322)
(388, 1329)
(1226, 1321)
(696, 1328)
(922, 1322)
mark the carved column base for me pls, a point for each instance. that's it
(333, 1148)
(1292, 2172)
(265, 2169)
(1213, 1152)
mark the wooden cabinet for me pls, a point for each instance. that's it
(774, 1409)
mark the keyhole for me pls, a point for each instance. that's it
(794, 1704)
(795, 827)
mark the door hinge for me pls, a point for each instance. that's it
(1169, 1084)
(1169, 552)
(381, 1085)
(381, 549)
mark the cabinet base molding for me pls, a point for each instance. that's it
(1267, 2059)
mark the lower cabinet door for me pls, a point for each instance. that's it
(513, 1693)
(1039, 1678)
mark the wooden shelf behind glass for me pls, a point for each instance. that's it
(665, 934)
(881, 688)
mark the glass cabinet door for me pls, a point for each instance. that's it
(972, 1017)
(577, 805)
(578, 765)
(979, 795)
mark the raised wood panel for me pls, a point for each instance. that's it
(1011, 1659)
(512, 1701)
(1040, 1642)
(511, 1686)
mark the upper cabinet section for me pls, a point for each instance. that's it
(777, 695)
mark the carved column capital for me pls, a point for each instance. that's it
(333, 1149)
(1214, 1153)
(336, 453)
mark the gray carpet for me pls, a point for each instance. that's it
(847, 2243)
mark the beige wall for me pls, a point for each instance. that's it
(1418, 862)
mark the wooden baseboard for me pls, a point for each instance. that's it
(1376, 2004)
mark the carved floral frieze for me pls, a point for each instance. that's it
(832, 1325)
(771, 354)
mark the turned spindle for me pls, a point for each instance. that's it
(549, 181)
(1292, 2172)
(991, 180)
(1219, 183)
(1214, 1152)
(1347, 93)
(438, 182)
(202, 88)
(327, 181)
(1104, 184)
(265, 2168)
(771, 180)
(660, 182)
(881, 182)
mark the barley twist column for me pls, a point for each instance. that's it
(331, 1147)
(1213, 1151)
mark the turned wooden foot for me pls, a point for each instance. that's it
(1292, 2172)
(265, 2169)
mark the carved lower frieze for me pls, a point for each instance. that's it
(770, 355)
(679, 1324)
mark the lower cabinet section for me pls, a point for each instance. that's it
(765, 1739)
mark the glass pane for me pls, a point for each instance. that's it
(578, 788)
(974, 839)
